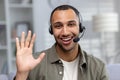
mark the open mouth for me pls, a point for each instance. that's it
(67, 40)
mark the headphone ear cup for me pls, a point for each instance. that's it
(81, 28)
(50, 30)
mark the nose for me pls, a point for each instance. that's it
(65, 30)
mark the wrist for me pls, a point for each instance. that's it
(21, 76)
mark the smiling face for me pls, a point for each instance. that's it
(65, 26)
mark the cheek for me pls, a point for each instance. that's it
(56, 33)
(75, 30)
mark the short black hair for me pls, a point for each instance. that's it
(64, 7)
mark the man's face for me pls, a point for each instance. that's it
(65, 26)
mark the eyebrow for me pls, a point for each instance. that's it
(68, 21)
(71, 21)
(56, 23)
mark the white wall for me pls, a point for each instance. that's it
(41, 16)
(117, 9)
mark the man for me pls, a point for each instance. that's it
(65, 60)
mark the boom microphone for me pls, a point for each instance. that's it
(80, 36)
(76, 39)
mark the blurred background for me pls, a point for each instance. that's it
(100, 17)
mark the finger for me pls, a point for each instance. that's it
(40, 58)
(22, 39)
(27, 42)
(32, 41)
(17, 44)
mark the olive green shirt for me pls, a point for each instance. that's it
(51, 67)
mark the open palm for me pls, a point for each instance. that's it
(24, 58)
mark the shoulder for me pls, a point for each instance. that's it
(93, 60)
(96, 67)
(95, 64)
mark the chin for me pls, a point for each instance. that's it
(68, 48)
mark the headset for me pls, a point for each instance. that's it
(66, 7)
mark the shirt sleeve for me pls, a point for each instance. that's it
(104, 73)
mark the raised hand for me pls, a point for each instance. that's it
(24, 58)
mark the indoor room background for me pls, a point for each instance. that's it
(23, 15)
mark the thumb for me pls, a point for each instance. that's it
(41, 56)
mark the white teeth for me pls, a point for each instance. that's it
(66, 39)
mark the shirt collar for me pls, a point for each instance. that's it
(54, 58)
(83, 59)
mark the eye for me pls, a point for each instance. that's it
(58, 25)
(71, 24)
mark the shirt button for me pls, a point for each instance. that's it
(60, 72)
(60, 61)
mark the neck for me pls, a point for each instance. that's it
(68, 55)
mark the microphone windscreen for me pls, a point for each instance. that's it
(76, 39)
